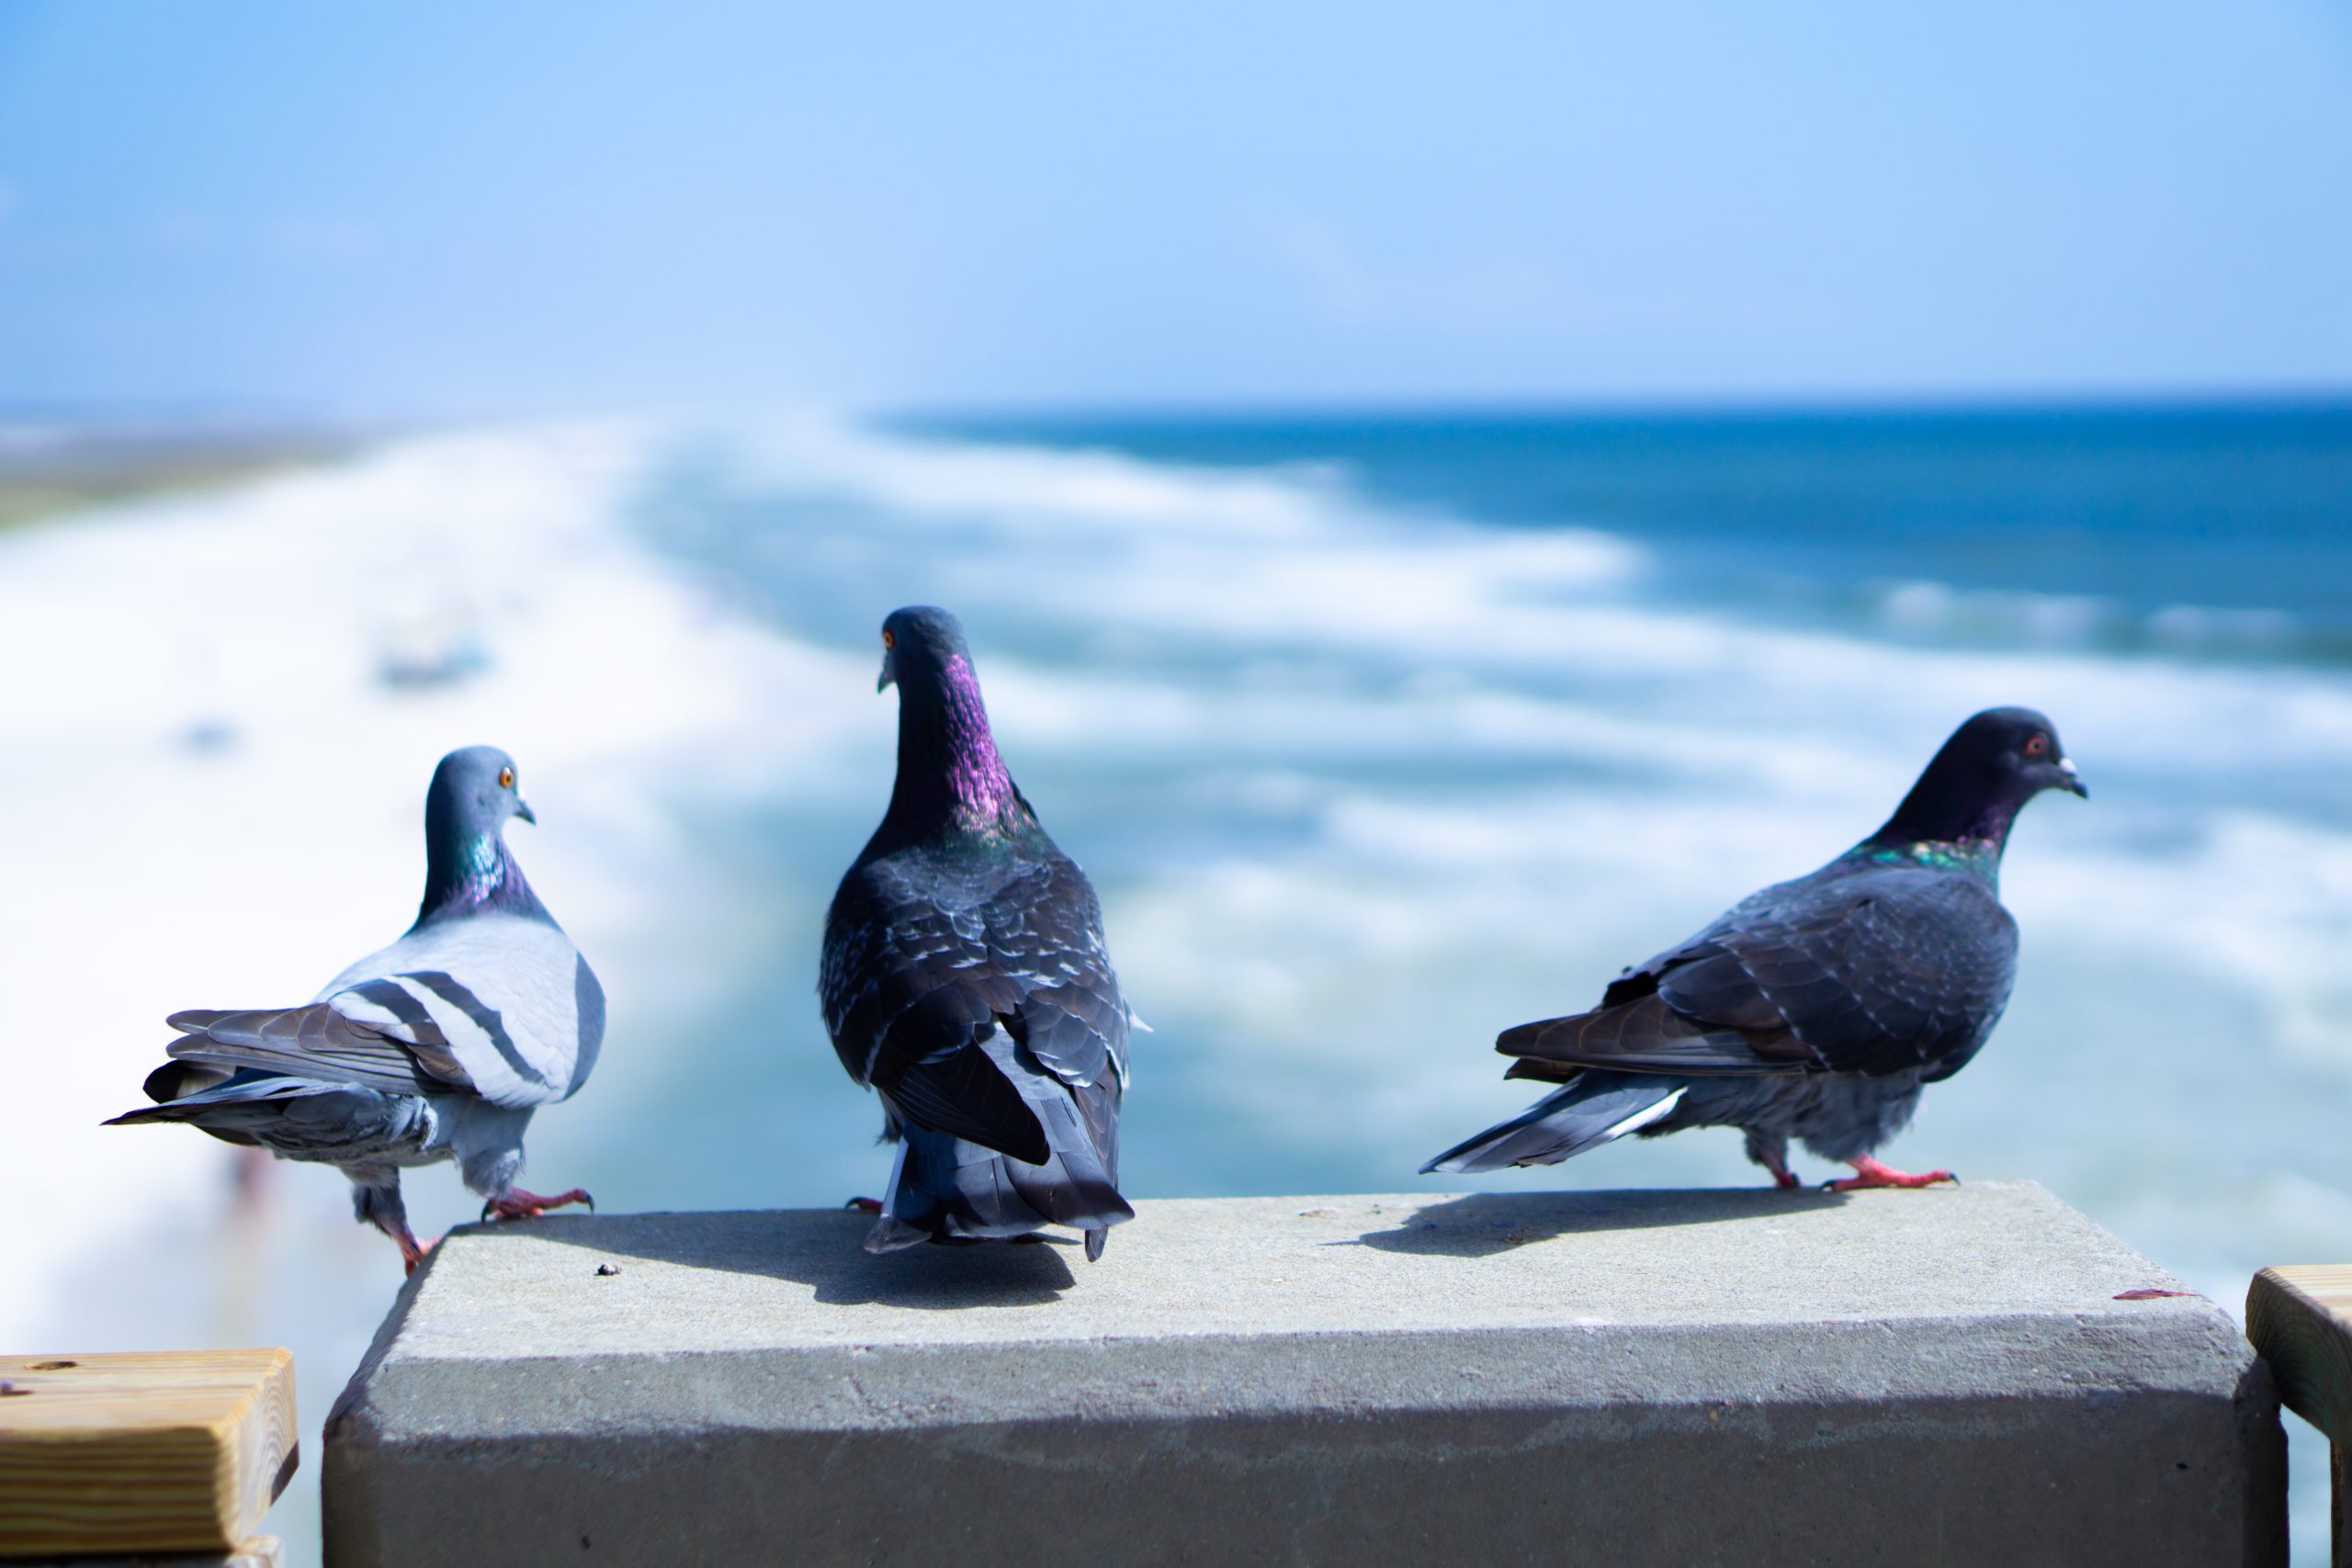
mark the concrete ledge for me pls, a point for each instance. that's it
(1630, 1377)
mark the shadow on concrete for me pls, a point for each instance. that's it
(1480, 1225)
(829, 1258)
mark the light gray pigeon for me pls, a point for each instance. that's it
(438, 1047)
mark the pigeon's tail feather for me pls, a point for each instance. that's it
(211, 1097)
(177, 1079)
(231, 1106)
(946, 1188)
(1596, 1108)
(300, 1117)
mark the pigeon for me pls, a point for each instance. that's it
(967, 983)
(1816, 1009)
(440, 1046)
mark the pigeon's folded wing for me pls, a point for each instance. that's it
(501, 1008)
(910, 991)
(517, 1006)
(911, 988)
(1885, 971)
(322, 1042)
(1046, 930)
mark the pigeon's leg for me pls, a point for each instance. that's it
(516, 1204)
(1867, 1172)
(865, 1205)
(489, 1143)
(1771, 1152)
(375, 1200)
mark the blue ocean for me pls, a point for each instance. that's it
(1379, 734)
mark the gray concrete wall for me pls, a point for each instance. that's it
(1751, 1377)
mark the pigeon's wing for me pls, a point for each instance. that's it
(910, 991)
(1887, 970)
(1046, 930)
(517, 1008)
(499, 1007)
(319, 1043)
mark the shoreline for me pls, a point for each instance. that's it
(48, 472)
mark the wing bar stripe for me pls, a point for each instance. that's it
(485, 1018)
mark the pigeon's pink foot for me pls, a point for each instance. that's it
(1867, 1172)
(865, 1205)
(517, 1204)
(1782, 1177)
(412, 1252)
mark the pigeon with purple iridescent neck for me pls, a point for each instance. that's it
(1816, 1009)
(967, 983)
(438, 1047)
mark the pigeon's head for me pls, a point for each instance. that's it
(474, 791)
(2016, 752)
(919, 645)
(1990, 767)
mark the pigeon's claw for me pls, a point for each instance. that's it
(411, 1251)
(517, 1204)
(865, 1205)
(1868, 1173)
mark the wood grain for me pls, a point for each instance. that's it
(2299, 1318)
(161, 1451)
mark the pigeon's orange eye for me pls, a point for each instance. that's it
(888, 640)
(2035, 746)
(506, 778)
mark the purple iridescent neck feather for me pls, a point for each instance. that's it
(948, 767)
(475, 874)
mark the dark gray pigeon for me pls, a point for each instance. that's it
(966, 981)
(1815, 1008)
(438, 1047)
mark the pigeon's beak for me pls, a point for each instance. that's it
(2073, 784)
(522, 809)
(890, 676)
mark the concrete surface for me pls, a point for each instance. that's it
(1935, 1377)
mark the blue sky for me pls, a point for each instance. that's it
(371, 210)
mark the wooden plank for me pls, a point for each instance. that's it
(145, 1452)
(260, 1551)
(2299, 1318)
